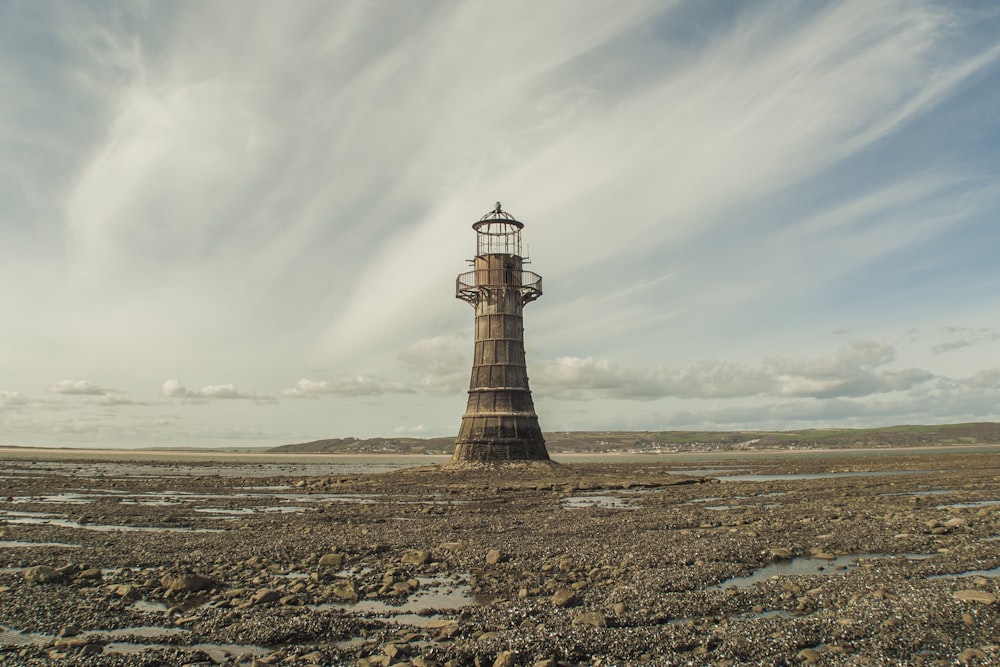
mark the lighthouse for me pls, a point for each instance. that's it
(499, 424)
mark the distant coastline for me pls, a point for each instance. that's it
(579, 443)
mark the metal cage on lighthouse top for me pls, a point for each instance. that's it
(498, 264)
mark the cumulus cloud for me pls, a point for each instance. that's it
(174, 389)
(579, 378)
(82, 388)
(852, 371)
(345, 386)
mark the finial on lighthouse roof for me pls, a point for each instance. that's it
(498, 207)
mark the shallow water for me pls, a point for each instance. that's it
(44, 519)
(15, 544)
(218, 652)
(436, 594)
(992, 572)
(597, 500)
(969, 505)
(807, 566)
(780, 477)
(235, 468)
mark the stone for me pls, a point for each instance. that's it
(332, 560)
(781, 553)
(808, 656)
(345, 590)
(127, 591)
(493, 557)
(505, 659)
(415, 557)
(265, 595)
(564, 597)
(191, 582)
(592, 618)
(91, 573)
(972, 595)
(970, 654)
(41, 574)
(69, 631)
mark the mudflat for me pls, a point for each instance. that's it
(832, 558)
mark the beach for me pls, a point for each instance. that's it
(831, 558)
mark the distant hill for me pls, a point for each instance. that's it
(372, 446)
(652, 442)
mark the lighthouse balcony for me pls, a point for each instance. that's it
(469, 284)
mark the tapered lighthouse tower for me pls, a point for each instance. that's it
(499, 423)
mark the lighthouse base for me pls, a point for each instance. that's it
(494, 452)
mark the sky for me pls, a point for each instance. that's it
(239, 222)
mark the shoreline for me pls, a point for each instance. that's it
(172, 455)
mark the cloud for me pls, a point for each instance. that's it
(581, 378)
(444, 369)
(985, 379)
(345, 387)
(949, 346)
(411, 430)
(174, 389)
(82, 388)
(852, 371)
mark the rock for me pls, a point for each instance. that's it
(415, 557)
(548, 662)
(781, 553)
(90, 573)
(970, 654)
(493, 557)
(345, 590)
(618, 608)
(127, 591)
(266, 595)
(190, 582)
(315, 656)
(332, 560)
(808, 656)
(592, 618)
(41, 574)
(505, 659)
(975, 596)
(564, 597)
(954, 522)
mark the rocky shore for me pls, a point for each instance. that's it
(820, 559)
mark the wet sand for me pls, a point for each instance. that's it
(832, 558)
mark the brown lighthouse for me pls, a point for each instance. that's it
(499, 423)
